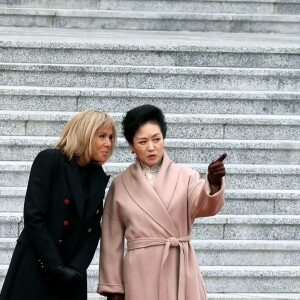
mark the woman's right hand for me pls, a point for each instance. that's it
(116, 297)
(64, 274)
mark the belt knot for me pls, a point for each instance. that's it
(174, 242)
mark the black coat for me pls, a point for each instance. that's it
(58, 229)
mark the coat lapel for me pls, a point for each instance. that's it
(149, 198)
(166, 181)
(98, 182)
(75, 186)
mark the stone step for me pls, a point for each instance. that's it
(180, 150)
(95, 296)
(238, 201)
(7, 246)
(249, 279)
(246, 177)
(250, 227)
(207, 58)
(212, 6)
(11, 225)
(194, 51)
(220, 227)
(247, 253)
(259, 202)
(74, 4)
(244, 296)
(16, 98)
(238, 279)
(12, 199)
(235, 279)
(109, 55)
(226, 126)
(145, 77)
(226, 296)
(125, 47)
(216, 252)
(147, 20)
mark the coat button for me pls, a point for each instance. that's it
(60, 242)
(89, 230)
(66, 223)
(97, 212)
(66, 201)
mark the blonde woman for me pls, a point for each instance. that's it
(62, 212)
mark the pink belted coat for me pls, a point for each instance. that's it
(156, 221)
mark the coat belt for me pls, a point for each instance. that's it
(182, 243)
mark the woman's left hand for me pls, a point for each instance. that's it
(116, 297)
(216, 170)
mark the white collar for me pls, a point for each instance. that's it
(153, 169)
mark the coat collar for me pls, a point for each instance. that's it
(98, 182)
(154, 200)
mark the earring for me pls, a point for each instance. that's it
(132, 151)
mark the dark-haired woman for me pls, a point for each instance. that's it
(153, 204)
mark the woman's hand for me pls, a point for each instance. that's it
(64, 274)
(216, 171)
(116, 297)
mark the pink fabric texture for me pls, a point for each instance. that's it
(160, 262)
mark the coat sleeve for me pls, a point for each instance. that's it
(111, 247)
(36, 208)
(201, 203)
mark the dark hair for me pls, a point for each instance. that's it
(140, 115)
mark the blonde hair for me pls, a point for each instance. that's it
(77, 138)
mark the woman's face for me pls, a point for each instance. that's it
(102, 145)
(148, 144)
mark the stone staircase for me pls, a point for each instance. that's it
(227, 78)
(211, 15)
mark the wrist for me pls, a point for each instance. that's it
(216, 185)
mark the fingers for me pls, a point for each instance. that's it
(219, 174)
(221, 158)
(218, 162)
(216, 170)
(78, 275)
